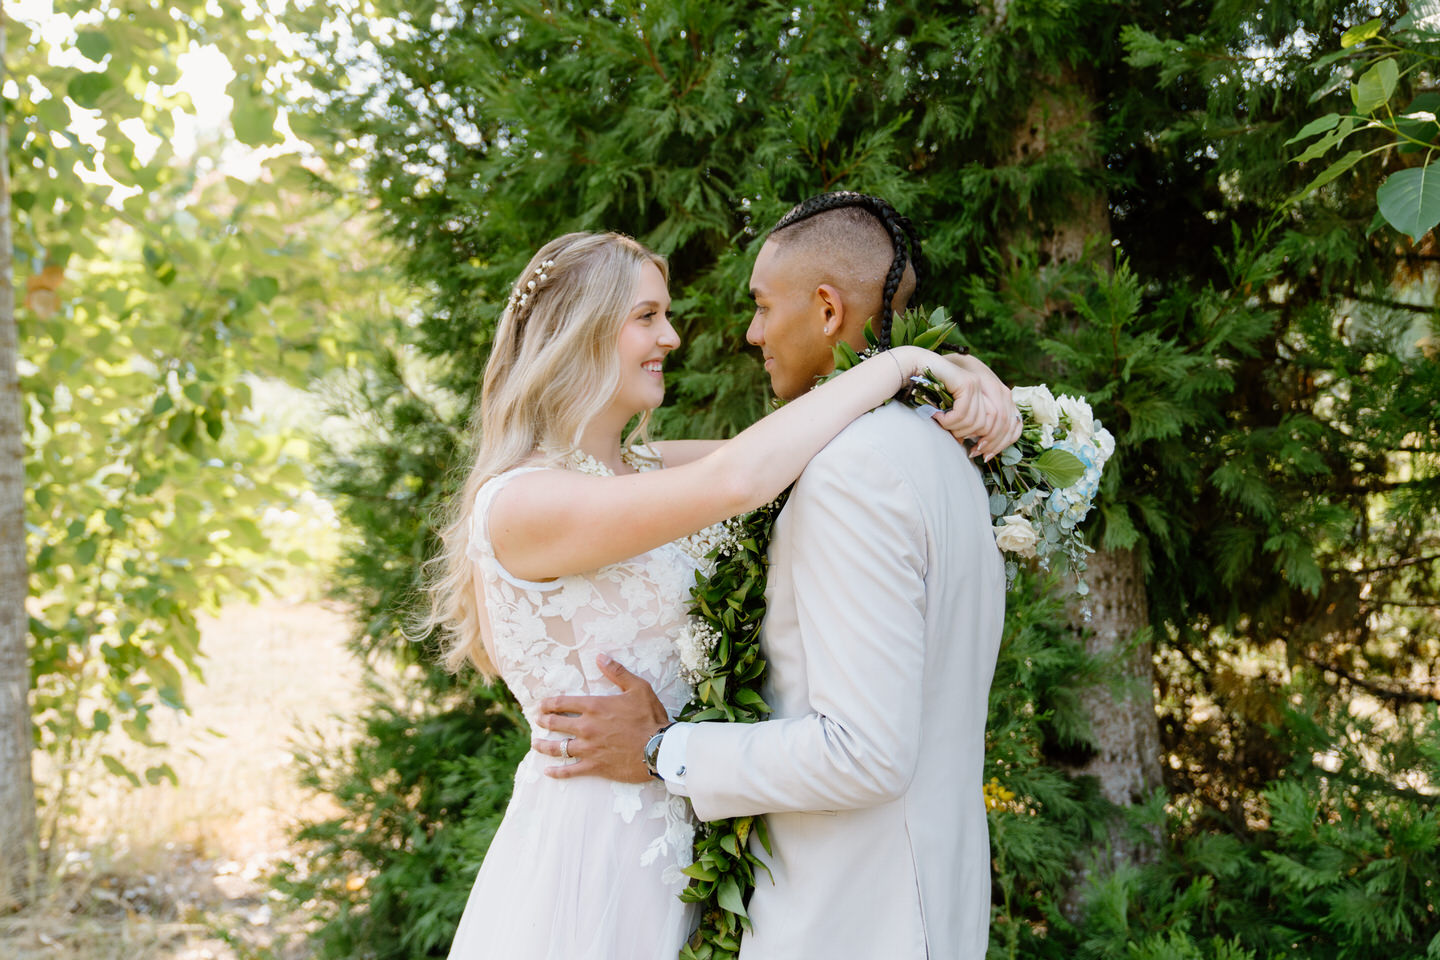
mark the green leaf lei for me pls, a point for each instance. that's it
(731, 603)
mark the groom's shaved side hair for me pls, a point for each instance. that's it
(856, 243)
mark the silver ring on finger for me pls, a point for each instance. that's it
(565, 747)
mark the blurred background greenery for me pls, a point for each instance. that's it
(259, 251)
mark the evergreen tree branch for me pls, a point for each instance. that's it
(1369, 686)
(1407, 562)
(1391, 304)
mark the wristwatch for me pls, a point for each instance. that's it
(652, 751)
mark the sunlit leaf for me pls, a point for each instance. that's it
(94, 44)
(1375, 86)
(1361, 33)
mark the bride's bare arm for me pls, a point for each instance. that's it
(677, 453)
(557, 522)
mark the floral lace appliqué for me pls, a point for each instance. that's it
(546, 637)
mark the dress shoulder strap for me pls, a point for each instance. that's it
(481, 550)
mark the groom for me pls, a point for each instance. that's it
(884, 610)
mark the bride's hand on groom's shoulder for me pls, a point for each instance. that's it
(984, 410)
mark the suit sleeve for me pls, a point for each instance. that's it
(860, 556)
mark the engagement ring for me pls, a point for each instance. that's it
(565, 747)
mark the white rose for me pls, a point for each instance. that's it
(1077, 412)
(1105, 440)
(1040, 402)
(1015, 534)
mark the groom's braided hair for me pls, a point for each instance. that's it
(902, 239)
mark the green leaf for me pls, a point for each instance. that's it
(1361, 33)
(1318, 125)
(1328, 174)
(163, 771)
(1419, 122)
(1410, 200)
(263, 288)
(729, 896)
(119, 769)
(1060, 468)
(253, 117)
(94, 44)
(700, 872)
(101, 721)
(1322, 146)
(1375, 85)
(845, 356)
(933, 337)
(87, 88)
(1423, 19)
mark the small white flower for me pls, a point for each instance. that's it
(1078, 416)
(1040, 402)
(1015, 534)
(694, 642)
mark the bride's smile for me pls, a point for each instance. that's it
(646, 338)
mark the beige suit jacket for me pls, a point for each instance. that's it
(885, 603)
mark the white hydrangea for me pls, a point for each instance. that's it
(1078, 418)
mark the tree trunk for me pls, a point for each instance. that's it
(1061, 122)
(1122, 717)
(17, 788)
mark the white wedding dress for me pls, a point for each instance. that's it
(582, 869)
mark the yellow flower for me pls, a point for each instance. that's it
(997, 796)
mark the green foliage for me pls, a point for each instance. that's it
(420, 797)
(155, 302)
(1271, 377)
(1409, 199)
(1336, 862)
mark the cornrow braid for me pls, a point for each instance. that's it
(902, 238)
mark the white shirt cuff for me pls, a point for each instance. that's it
(671, 760)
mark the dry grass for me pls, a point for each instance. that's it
(178, 872)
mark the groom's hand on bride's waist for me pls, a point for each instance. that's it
(606, 735)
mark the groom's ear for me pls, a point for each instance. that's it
(831, 303)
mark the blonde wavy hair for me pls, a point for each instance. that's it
(553, 367)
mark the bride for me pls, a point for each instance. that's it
(571, 541)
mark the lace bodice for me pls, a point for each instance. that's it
(545, 637)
